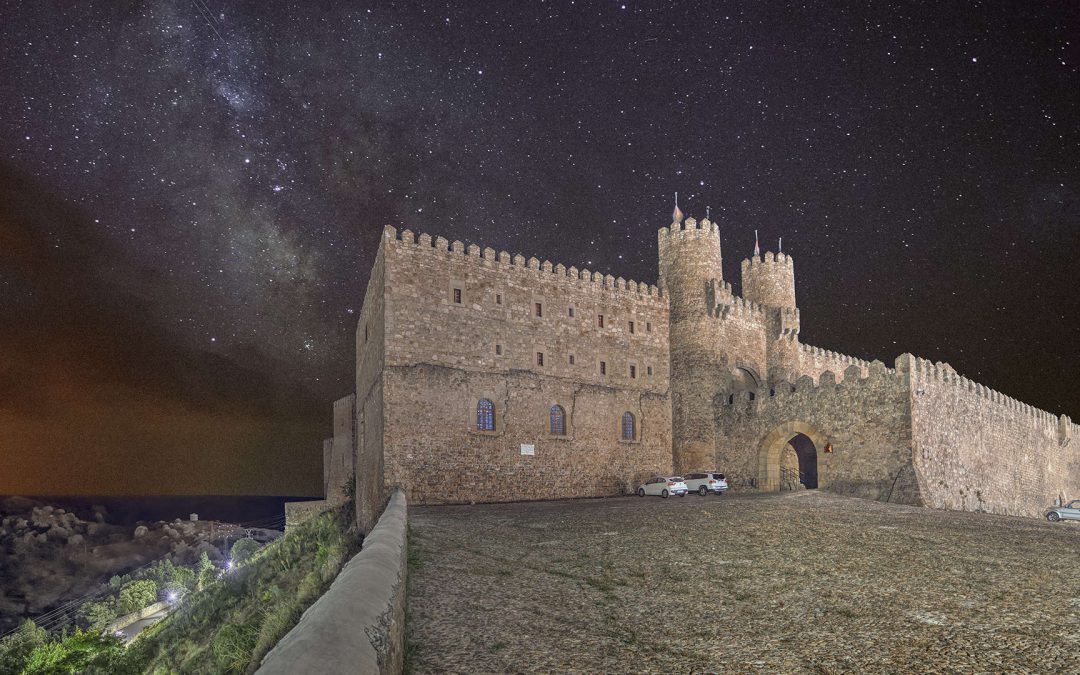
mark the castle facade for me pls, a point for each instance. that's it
(482, 376)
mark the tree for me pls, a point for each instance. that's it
(206, 572)
(15, 648)
(97, 615)
(243, 549)
(137, 594)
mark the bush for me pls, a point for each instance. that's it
(82, 651)
(135, 595)
(97, 615)
(15, 648)
(233, 644)
(243, 550)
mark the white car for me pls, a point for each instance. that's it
(1070, 511)
(663, 486)
(705, 482)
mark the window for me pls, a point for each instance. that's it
(648, 371)
(603, 368)
(629, 426)
(648, 326)
(633, 372)
(539, 358)
(599, 320)
(498, 350)
(571, 312)
(457, 296)
(498, 298)
(485, 415)
(631, 327)
(571, 359)
(558, 421)
(539, 309)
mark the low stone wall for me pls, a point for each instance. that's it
(358, 625)
(299, 512)
(128, 619)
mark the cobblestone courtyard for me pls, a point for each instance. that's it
(795, 582)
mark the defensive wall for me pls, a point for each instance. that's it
(860, 427)
(461, 324)
(976, 449)
(358, 625)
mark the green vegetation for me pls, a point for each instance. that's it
(236, 620)
(226, 621)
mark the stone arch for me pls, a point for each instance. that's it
(744, 378)
(768, 473)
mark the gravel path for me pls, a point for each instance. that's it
(796, 582)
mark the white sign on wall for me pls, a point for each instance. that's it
(528, 449)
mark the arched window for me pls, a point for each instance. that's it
(485, 415)
(629, 426)
(558, 421)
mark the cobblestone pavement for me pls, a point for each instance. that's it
(794, 582)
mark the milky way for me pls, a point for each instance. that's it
(920, 163)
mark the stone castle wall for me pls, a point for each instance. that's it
(866, 420)
(340, 450)
(978, 450)
(371, 492)
(464, 324)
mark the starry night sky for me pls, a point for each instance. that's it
(191, 194)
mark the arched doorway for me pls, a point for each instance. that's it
(796, 438)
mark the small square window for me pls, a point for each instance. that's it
(498, 298)
(539, 309)
(539, 358)
(571, 359)
(457, 296)
(648, 326)
(571, 311)
(631, 327)
(603, 368)
(498, 350)
(599, 320)
(648, 371)
(633, 372)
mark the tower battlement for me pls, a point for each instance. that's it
(769, 280)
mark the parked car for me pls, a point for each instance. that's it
(705, 482)
(663, 486)
(1070, 511)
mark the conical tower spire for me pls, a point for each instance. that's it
(676, 215)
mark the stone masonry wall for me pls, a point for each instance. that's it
(866, 420)
(978, 450)
(814, 361)
(464, 324)
(340, 450)
(371, 491)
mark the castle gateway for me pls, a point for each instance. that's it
(482, 376)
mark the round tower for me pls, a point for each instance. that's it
(692, 280)
(690, 266)
(769, 280)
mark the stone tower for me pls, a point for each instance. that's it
(692, 279)
(770, 281)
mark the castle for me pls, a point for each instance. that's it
(482, 376)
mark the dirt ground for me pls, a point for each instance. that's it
(790, 582)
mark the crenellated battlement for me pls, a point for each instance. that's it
(687, 229)
(767, 261)
(488, 257)
(854, 376)
(818, 352)
(739, 307)
(924, 373)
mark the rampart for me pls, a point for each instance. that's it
(978, 450)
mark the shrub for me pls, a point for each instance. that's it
(97, 615)
(233, 644)
(135, 595)
(15, 648)
(243, 550)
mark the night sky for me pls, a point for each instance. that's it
(191, 194)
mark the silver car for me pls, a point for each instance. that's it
(1070, 511)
